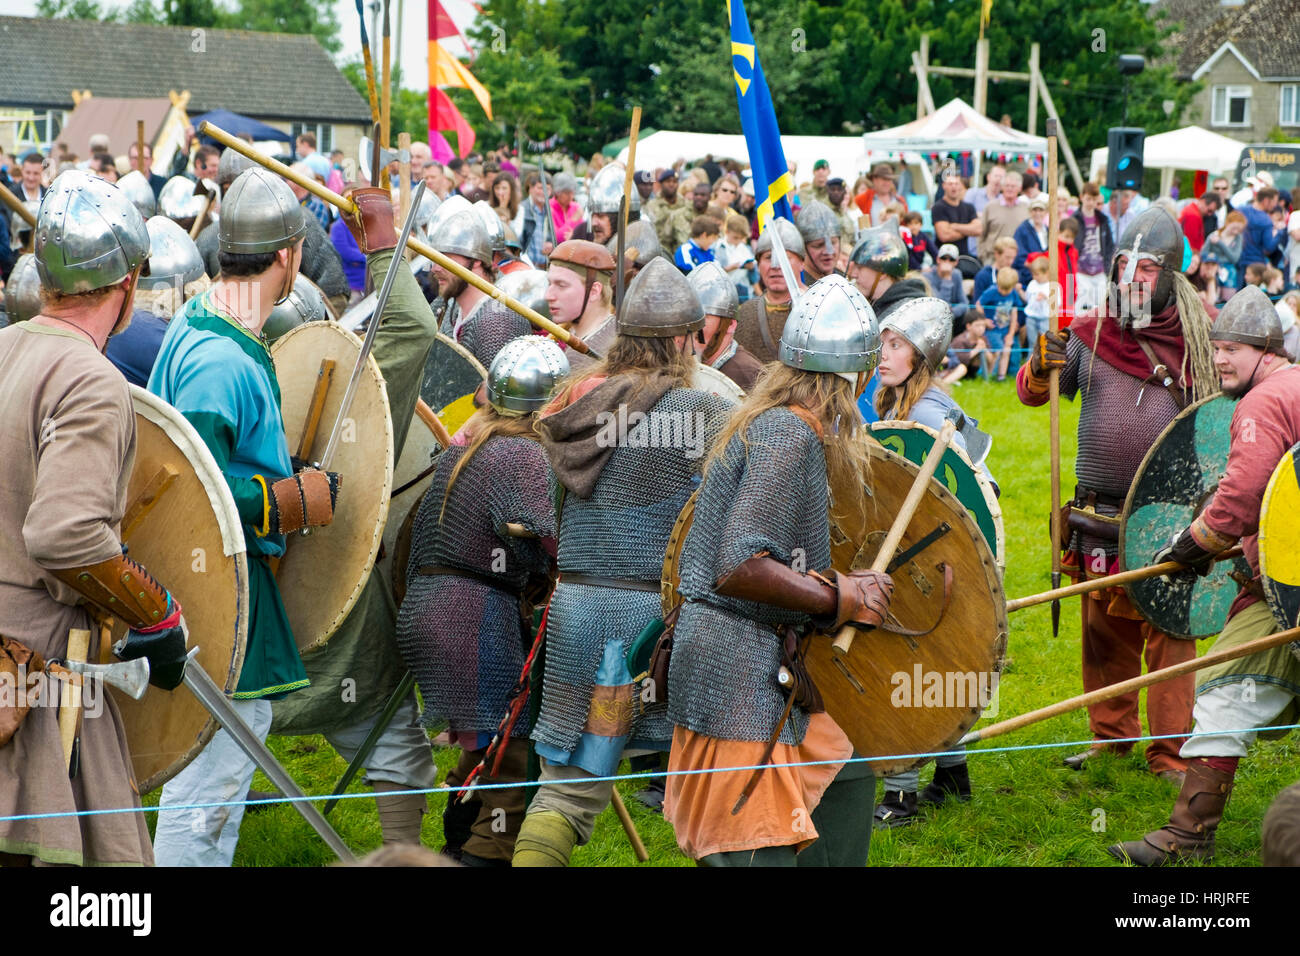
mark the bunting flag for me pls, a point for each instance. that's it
(446, 70)
(441, 25)
(772, 182)
(443, 115)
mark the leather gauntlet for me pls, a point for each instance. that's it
(372, 227)
(863, 598)
(122, 588)
(767, 581)
(304, 501)
(1049, 353)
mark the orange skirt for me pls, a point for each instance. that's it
(778, 812)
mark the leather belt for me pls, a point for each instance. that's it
(623, 584)
(435, 570)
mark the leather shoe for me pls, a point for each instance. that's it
(1076, 761)
(898, 809)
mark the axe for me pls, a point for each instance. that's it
(130, 677)
(374, 159)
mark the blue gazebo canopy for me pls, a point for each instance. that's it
(237, 125)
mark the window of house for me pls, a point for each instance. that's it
(1288, 113)
(38, 132)
(324, 133)
(1230, 106)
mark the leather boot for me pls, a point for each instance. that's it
(546, 838)
(898, 809)
(947, 782)
(399, 815)
(457, 819)
(1189, 835)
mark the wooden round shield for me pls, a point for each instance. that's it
(1172, 486)
(416, 458)
(1279, 540)
(913, 441)
(709, 379)
(671, 577)
(322, 573)
(897, 693)
(451, 377)
(181, 524)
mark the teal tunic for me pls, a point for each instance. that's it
(221, 378)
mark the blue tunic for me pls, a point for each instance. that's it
(221, 378)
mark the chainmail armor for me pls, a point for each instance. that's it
(621, 531)
(464, 640)
(772, 497)
(489, 327)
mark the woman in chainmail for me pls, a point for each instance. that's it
(483, 539)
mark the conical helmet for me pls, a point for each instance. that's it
(230, 166)
(445, 210)
(660, 303)
(89, 234)
(492, 224)
(790, 238)
(832, 328)
(817, 221)
(716, 291)
(881, 248)
(527, 286)
(926, 322)
(178, 200)
(138, 190)
(23, 290)
(462, 234)
(305, 303)
(1153, 235)
(429, 204)
(174, 259)
(641, 237)
(605, 190)
(259, 214)
(524, 374)
(1249, 317)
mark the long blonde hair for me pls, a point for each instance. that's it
(895, 402)
(485, 424)
(831, 400)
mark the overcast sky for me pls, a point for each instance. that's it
(412, 33)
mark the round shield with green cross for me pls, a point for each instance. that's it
(969, 484)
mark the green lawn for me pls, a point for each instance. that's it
(1027, 808)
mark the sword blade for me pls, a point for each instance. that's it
(778, 253)
(380, 302)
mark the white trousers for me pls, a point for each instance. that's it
(1225, 715)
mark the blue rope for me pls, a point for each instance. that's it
(648, 775)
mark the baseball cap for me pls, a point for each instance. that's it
(668, 173)
(948, 251)
(1038, 202)
(643, 177)
(821, 164)
(748, 187)
(835, 181)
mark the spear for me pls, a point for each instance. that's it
(385, 110)
(370, 65)
(624, 207)
(1054, 379)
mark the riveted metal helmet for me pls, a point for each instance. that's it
(174, 259)
(660, 303)
(446, 209)
(641, 237)
(881, 248)
(832, 328)
(230, 166)
(462, 234)
(23, 290)
(138, 190)
(259, 214)
(716, 291)
(817, 221)
(790, 238)
(1249, 317)
(88, 234)
(492, 224)
(524, 375)
(305, 303)
(1153, 235)
(926, 323)
(605, 190)
(529, 287)
(178, 200)
(429, 205)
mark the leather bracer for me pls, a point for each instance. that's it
(766, 580)
(122, 588)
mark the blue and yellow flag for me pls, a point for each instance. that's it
(758, 120)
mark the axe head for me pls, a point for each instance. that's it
(365, 159)
(130, 677)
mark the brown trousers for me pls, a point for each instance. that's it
(1115, 641)
(500, 810)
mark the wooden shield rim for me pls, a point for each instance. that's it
(397, 505)
(173, 424)
(1287, 464)
(464, 353)
(1127, 511)
(820, 646)
(317, 641)
(670, 577)
(985, 486)
(708, 379)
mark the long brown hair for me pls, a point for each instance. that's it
(512, 205)
(641, 356)
(485, 424)
(895, 402)
(828, 397)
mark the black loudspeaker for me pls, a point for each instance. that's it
(1124, 147)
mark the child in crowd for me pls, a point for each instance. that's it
(1005, 251)
(699, 248)
(969, 352)
(736, 257)
(1000, 304)
(1254, 274)
(946, 283)
(919, 244)
(1038, 298)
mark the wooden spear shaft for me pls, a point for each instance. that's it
(139, 147)
(1128, 686)
(631, 170)
(349, 207)
(1054, 378)
(386, 101)
(17, 205)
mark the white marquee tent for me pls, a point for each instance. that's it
(954, 127)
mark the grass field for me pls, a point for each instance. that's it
(1028, 810)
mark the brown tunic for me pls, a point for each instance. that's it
(67, 440)
(749, 332)
(742, 368)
